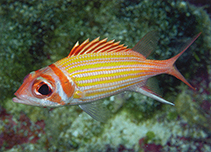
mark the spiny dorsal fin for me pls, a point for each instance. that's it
(147, 44)
(97, 46)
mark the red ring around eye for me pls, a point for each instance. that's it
(41, 90)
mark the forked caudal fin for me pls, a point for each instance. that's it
(173, 71)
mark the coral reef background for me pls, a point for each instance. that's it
(36, 33)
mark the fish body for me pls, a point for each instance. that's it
(95, 70)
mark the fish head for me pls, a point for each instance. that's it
(40, 88)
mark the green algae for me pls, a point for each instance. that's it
(191, 111)
(150, 136)
(37, 33)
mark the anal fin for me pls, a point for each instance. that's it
(147, 92)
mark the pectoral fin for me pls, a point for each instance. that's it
(96, 110)
(147, 92)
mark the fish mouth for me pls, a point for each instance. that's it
(18, 100)
(24, 100)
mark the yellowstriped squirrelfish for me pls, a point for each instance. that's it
(95, 70)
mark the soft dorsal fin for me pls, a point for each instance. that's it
(97, 46)
(147, 44)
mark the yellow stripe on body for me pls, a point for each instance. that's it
(103, 74)
(96, 77)
(93, 68)
(74, 60)
(101, 93)
(92, 64)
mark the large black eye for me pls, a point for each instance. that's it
(44, 90)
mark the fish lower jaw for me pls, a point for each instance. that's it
(17, 100)
(22, 100)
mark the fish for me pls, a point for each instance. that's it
(98, 69)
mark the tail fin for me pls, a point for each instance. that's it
(173, 71)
